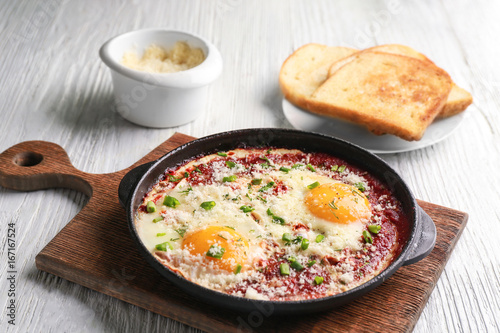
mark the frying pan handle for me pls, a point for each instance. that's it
(129, 182)
(36, 165)
(426, 238)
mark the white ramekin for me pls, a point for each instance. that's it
(160, 99)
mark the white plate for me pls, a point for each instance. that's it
(379, 144)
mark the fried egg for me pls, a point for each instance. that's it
(225, 247)
(338, 203)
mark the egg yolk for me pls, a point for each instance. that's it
(223, 246)
(338, 202)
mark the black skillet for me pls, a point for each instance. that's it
(139, 181)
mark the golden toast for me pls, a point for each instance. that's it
(458, 100)
(385, 92)
(306, 69)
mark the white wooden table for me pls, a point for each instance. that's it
(54, 87)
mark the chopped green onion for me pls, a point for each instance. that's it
(221, 154)
(284, 169)
(161, 234)
(297, 165)
(278, 220)
(229, 227)
(287, 237)
(266, 187)
(318, 280)
(313, 185)
(164, 246)
(360, 186)
(197, 170)
(247, 209)
(266, 159)
(256, 181)
(207, 205)
(310, 263)
(368, 238)
(335, 167)
(158, 219)
(171, 201)
(304, 244)
(229, 179)
(216, 252)
(319, 238)
(150, 207)
(374, 228)
(342, 168)
(230, 164)
(310, 167)
(238, 269)
(284, 269)
(296, 265)
(222, 236)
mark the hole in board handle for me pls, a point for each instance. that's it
(28, 159)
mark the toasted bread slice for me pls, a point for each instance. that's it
(306, 69)
(399, 50)
(385, 92)
(458, 100)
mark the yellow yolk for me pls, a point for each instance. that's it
(235, 247)
(338, 202)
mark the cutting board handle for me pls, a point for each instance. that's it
(36, 165)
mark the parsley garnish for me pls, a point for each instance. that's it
(275, 219)
(332, 205)
(173, 179)
(181, 231)
(185, 192)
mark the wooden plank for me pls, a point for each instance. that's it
(96, 251)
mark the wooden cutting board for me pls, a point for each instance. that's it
(95, 250)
